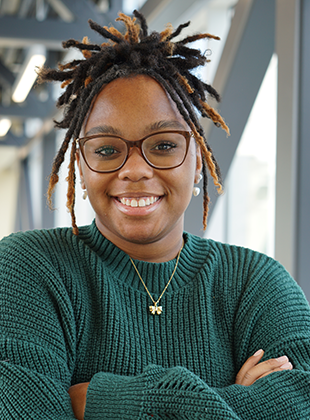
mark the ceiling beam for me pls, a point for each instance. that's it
(17, 32)
(22, 32)
(83, 10)
(6, 76)
(11, 140)
(24, 8)
(31, 108)
(158, 13)
(62, 10)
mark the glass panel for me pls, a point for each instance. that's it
(244, 215)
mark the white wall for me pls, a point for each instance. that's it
(9, 180)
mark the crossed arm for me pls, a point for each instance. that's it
(40, 358)
(249, 373)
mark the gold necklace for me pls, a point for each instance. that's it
(155, 309)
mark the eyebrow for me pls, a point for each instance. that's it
(103, 129)
(177, 125)
(158, 125)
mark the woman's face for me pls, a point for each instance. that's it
(135, 107)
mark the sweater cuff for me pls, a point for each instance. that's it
(114, 397)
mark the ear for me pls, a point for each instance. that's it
(78, 161)
(198, 164)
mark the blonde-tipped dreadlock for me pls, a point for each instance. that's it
(135, 52)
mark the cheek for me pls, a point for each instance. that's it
(94, 182)
(183, 177)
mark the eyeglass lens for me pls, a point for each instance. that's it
(161, 150)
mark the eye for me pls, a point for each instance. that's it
(164, 146)
(107, 151)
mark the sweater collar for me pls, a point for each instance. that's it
(156, 275)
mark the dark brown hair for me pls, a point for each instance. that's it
(135, 52)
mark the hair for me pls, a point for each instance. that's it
(123, 55)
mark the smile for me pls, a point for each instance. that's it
(141, 202)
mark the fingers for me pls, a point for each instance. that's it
(286, 366)
(265, 368)
(253, 370)
(250, 363)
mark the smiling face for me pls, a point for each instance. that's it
(139, 204)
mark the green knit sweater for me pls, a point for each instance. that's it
(72, 309)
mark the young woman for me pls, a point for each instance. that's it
(130, 317)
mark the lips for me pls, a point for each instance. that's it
(138, 201)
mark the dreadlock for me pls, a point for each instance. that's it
(135, 52)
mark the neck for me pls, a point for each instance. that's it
(158, 250)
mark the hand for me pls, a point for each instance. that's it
(252, 370)
(78, 399)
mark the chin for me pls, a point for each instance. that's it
(141, 236)
(141, 233)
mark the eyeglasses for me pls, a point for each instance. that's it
(108, 152)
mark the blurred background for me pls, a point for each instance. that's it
(260, 67)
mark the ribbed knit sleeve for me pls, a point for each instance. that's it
(177, 393)
(36, 334)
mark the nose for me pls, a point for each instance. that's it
(135, 168)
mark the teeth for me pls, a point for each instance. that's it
(142, 202)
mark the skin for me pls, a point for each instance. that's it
(135, 107)
(252, 370)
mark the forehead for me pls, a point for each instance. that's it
(131, 105)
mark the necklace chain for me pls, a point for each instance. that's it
(155, 309)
